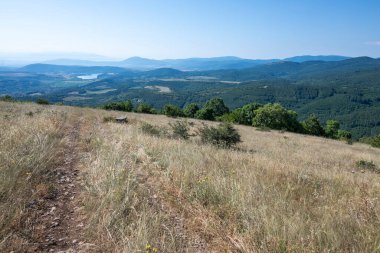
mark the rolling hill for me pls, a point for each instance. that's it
(346, 90)
(191, 64)
(72, 180)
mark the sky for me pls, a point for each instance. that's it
(163, 29)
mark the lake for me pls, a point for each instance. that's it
(89, 77)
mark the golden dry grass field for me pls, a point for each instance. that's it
(276, 192)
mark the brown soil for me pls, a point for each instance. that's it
(58, 224)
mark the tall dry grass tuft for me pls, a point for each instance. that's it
(122, 211)
(30, 144)
(276, 192)
(279, 192)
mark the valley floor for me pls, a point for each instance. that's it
(69, 182)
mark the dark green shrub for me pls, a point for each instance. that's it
(231, 117)
(247, 113)
(145, 108)
(277, 117)
(30, 114)
(180, 129)
(373, 141)
(7, 98)
(224, 135)
(107, 119)
(217, 106)
(42, 101)
(312, 126)
(128, 106)
(332, 127)
(368, 165)
(213, 108)
(125, 106)
(344, 135)
(205, 113)
(172, 111)
(190, 110)
(153, 130)
(243, 115)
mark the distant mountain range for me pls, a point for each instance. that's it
(191, 64)
(259, 71)
(139, 63)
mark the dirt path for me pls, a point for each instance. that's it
(58, 221)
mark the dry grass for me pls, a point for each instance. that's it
(31, 138)
(279, 192)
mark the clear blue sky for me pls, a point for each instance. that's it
(188, 28)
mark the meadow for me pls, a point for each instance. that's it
(275, 192)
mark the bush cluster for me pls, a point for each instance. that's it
(42, 101)
(153, 130)
(267, 116)
(368, 165)
(373, 141)
(224, 135)
(125, 106)
(180, 129)
(7, 98)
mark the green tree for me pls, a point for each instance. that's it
(344, 135)
(125, 106)
(217, 106)
(144, 108)
(247, 113)
(172, 111)
(332, 127)
(205, 113)
(213, 108)
(232, 117)
(276, 117)
(128, 106)
(7, 98)
(42, 101)
(312, 126)
(190, 110)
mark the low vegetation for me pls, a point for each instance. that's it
(172, 111)
(42, 101)
(31, 144)
(125, 106)
(373, 141)
(268, 116)
(145, 108)
(224, 135)
(180, 129)
(367, 165)
(275, 192)
(153, 130)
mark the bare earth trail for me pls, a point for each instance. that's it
(58, 221)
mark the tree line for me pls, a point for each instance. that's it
(270, 116)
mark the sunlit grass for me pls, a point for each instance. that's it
(276, 192)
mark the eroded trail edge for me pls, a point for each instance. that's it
(58, 221)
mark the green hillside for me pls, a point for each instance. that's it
(347, 90)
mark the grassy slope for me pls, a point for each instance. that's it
(30, 145)
(280, 192)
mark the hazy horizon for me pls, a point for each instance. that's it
(171, 29)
